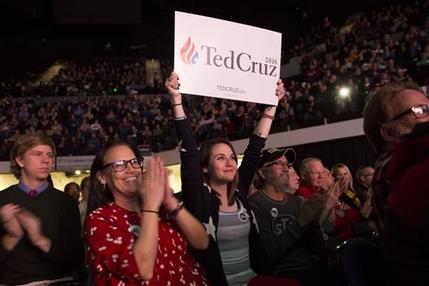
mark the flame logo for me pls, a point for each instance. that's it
(187, 52)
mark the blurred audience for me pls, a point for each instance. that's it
(339, 68)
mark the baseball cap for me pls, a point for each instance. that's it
(272, 154)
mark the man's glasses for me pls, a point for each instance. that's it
(121, 165)
(320, 173)
(419, 111)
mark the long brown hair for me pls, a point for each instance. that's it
(205, 155)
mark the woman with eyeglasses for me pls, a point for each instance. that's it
(215, 191)
(137, 232)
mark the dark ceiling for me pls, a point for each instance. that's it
(38, 31)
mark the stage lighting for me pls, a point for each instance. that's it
(344, 92)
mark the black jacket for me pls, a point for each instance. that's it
(202, 201)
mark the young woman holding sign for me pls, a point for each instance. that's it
(215, 191)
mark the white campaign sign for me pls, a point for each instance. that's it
(223, 59)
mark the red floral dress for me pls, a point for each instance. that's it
(110, 234)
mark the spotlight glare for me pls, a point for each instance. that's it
(344, 92)
(77, 172)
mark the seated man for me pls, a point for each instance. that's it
(312, 176)
(284, 221)
(40, 226)
(315, 178)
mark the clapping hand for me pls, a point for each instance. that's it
(152, 189)
(33, 227)
(8, 215)
(332, 195)
(310, 210)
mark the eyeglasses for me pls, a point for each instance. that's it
(284, 165)
(121, 165)
(320, 173)
(419, 111)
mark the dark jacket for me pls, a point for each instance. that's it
(203, 203)
(401, 191)
(60, 220)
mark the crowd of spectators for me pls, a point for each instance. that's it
(100, 76)
(87, 104)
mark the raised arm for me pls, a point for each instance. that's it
(251, 158)
(189, 154)
(264, 124)
(172, 84)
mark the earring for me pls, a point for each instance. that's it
(103, 188)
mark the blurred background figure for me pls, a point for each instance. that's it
(364, 175)
(83, 204)
(73, 190)
(351, 213)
